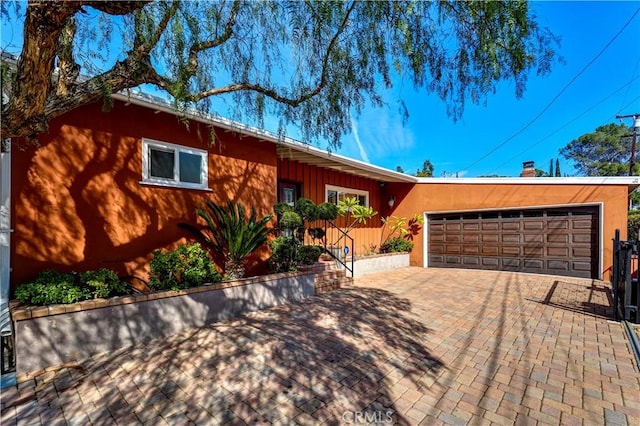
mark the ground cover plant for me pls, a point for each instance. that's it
(54, 287)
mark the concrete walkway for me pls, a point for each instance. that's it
(412, 346)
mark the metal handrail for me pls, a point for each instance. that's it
(346, 237)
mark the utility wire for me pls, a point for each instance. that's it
(635, 71)
(555, 98)
(569, 122)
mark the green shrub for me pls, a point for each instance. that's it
(290, 220)
(308, 255)
(283, 252)
(633, 225)
(307, 210)
(103, 283)
(187, 266)
(396, 245)
(53, 287)
(280, 208)
(328, 211)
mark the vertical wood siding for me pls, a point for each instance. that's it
(312, 180)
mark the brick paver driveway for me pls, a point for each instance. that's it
(412, 346)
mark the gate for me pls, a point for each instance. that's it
(626, 296)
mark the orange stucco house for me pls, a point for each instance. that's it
(105, 189)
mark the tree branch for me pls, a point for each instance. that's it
(116, 7)
(68, 69)
(43, 25)
(162, 26)
(210, 44)
(273, 94)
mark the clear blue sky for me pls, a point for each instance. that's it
(477, 143)
(585, 28)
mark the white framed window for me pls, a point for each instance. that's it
(179, 166)
(333, 194)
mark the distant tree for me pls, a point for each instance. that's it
(399, 169)
(550, 167)
(605, 152)
(541, 173)
(427, 169)
(558, 174)
(310, 63)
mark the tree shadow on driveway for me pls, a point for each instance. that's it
(334, 359)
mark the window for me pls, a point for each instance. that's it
(174, 165)
(333, 194)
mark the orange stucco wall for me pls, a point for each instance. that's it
(78, 202)
(442, 197)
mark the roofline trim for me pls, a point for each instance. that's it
(591, 180)
(153, 102)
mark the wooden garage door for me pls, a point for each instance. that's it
(559, 241)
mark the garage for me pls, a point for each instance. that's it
(559, 241)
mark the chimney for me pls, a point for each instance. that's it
(528, 169)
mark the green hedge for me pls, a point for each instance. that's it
(396, 245)
(53, 287)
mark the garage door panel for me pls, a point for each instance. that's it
(436, 238)
(581, 266)
(490, 226)
(452, 227)
(534, 238)
(436, 250)
(453, 248)
(561, 241)
(558, 238)
(493, 262)
(534, 264)
(509, 251)
(490, 250)
(582, 238)
(511, 238)
(559, 265)
(510, 226)
(490, 238)
(511, 263)
(582, 223)
(471, 238)
(558, 224)
(558, 251)
(530, 251)
(473, 226)
(532, 225)
(436, 227)
(453, 238)
(584, 252)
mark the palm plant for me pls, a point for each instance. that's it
(231, 234)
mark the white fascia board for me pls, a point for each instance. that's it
(594, 180)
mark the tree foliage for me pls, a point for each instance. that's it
(605, 152)
(427, 169)
(309, 63)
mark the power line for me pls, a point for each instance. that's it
(555, 98)
(635, 70)
(570, 122)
